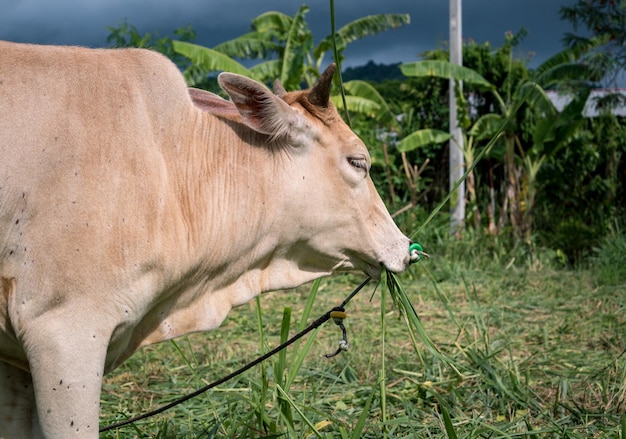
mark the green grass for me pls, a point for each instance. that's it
(519, 349)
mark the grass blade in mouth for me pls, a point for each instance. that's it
(389, 281)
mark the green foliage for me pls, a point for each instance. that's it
(422, 138)
(445, 70)
(601, 23)
(486, 126)
(357, 104)
(608, 258)
(205, 59)
(430, 90)
(288, 48)
(298, 43)
(579, 191)
(364, 90)
(127, 35)
(534, 131)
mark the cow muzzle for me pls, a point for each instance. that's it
(411, 253)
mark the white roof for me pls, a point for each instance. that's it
(560, 100)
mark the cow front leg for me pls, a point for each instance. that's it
(67, 363)
(18, 413)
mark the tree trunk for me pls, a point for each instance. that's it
(512, 184)
(491, 207)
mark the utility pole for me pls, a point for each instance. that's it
(457, 168)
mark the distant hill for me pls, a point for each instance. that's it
(373, 72)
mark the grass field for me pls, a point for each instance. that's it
(524, 348)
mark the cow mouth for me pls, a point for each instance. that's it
(370, 266)
(373, 271)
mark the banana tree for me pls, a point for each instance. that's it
(551, 131)
(447, 70)
(289, 44)
(285, 43)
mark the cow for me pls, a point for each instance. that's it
(134, 209)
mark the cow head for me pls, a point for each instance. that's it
(333, 214)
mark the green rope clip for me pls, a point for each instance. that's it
(416, 251)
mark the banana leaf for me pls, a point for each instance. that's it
(445, 70)
(209, 59)
(421, 138)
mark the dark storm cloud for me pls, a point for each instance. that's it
(84, 22)
(483, 20)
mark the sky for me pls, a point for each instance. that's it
(84, 22)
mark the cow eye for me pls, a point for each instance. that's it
(359, 163)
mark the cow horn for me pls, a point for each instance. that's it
(320, 93)
(279, 90)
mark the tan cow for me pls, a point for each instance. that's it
(133, 211)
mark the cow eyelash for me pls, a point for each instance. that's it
(358, 163)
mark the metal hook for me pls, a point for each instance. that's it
(338, 315)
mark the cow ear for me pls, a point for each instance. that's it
(211, 103)
(260, 109)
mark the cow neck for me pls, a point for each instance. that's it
(231, 209)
